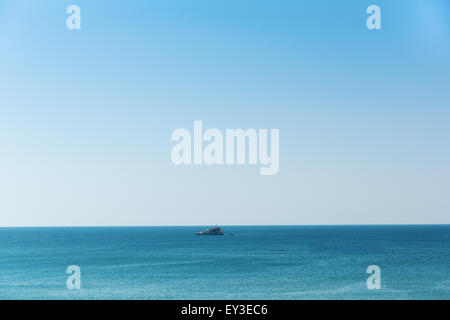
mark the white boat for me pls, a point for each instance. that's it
(216, 231)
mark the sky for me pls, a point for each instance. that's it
(86, 115)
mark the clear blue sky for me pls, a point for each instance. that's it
(86, 116)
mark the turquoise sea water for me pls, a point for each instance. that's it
(326, 262)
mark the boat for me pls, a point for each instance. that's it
(216, 231)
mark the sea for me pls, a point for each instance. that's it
(248, 262)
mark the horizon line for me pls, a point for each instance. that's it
(230, 225)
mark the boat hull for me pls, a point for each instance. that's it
(208, 234)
